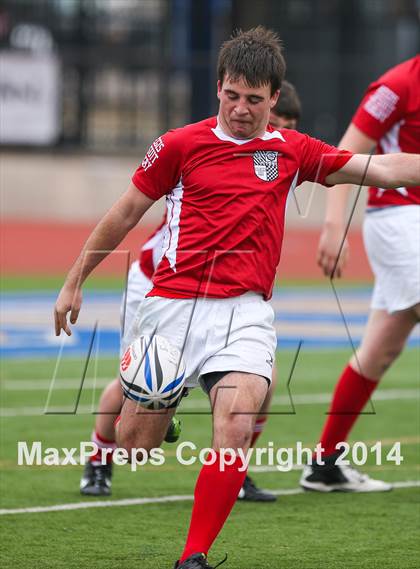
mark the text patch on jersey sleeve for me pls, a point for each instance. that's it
(153, 153)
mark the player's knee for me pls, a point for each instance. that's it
(131, 439)
(237, 431)
(112, 395)
(135, 448)
(390, 355)
(374, 363)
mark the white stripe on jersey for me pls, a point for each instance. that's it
(390, 141)
(170, 242)
(157, 245)
(389, 144)
(294, 182)
(292, 191)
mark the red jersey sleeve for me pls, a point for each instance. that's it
(319, 159)
(383, 105)
(161, 167)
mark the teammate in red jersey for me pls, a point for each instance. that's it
(388, 117)
(97, 477)
(226, 181)
(286, 112)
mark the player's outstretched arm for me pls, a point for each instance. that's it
(106, 236)
(384, 171)
(334, 225)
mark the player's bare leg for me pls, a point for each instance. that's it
(141, 428)
(249, 491)
(97, 474)
(384, 339)
(265, 407)
(109, 408)
(236, 400)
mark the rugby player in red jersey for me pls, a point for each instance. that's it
(97, 476)
(388, 118)
(225, 180)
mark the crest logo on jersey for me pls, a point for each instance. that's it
(266, 165)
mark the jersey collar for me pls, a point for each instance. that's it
(221, 135)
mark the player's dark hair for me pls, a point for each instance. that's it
(288, 104)
(255, 56)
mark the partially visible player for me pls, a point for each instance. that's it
(388, 118)
(97, 477)
(286, 112)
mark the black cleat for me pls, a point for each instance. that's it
(332, 477)
(96, 480)
(251, 493)
(196, 561)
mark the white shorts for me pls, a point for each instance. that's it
(138, 285)
(392, 243)
(229, 334)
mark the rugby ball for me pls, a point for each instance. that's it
(152, 373)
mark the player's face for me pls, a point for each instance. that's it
(244, 111)
(279, 122)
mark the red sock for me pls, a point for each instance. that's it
(214, 496)
(351, 394)
(102, 443)
(258, 429)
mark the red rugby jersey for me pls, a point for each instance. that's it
(226, 202)
(390, 114)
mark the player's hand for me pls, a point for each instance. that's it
(329, 249)
(69, 300)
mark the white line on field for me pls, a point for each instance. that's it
(202, 404)
(267, 468)
(161, 500)
(61, 384)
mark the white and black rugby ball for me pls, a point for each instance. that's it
(152, 373)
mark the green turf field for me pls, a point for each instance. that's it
(305, 531)
(22, 283)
